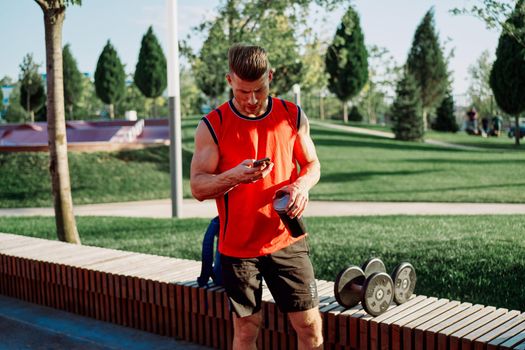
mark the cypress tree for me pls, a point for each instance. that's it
(355, 115)
(150, 72)
(110, 78)
(446, 119)
(347, 60)
(507, 78)
(427, 64)
(73, 84)
(407, 121)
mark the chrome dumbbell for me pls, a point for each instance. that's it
(403, 276)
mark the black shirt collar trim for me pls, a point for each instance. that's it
(262, 116)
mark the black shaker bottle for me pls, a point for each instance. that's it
(296, 225)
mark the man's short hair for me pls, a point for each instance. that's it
(248, 62)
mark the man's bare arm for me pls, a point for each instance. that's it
(310, 172)
(205, 182)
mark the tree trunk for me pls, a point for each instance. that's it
(70, 112)
(345, 112)
(56, 127)
(425, 121)
(28, 106)
(517, 130)
(321, 106)
(111, 111)
(154, 107)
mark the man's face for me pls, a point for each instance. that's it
(250, 97)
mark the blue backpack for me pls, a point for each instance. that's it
(211, 258)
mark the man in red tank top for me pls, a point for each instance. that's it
(254, 243)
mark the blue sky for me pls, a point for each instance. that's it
(387, 23)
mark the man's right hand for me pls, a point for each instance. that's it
(246, 173)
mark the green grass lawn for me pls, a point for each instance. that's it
(354, 167)
(368, 168)
(478, 259)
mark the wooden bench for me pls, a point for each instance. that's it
(160, 295)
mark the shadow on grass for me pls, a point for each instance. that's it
(364, 175)
(365, 141)
(23, 195)
(457, 161)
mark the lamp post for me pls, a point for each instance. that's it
(174, 112)
(296, 88)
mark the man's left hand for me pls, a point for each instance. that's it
(298, 200)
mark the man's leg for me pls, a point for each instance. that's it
(245, 331)
(243, 283)
(290, 278)
(309, 328)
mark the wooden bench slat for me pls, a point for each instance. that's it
(408, 328)
(478, 333)
(385, 328)
(456, 338)
(509, 338)
(495, 335)
(396, 332)
(374, 327)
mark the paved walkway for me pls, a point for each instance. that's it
(29, 326)
(192, 208)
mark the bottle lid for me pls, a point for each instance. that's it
(280, 202)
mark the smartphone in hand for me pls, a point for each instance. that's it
(262, 161)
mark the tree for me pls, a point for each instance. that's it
(446, 119)
(355, 115)
(247, 20)
(314, 75)
(54, 14)
(89, 106)
(32, 95)
(33, 102)
(379, 91)
(407, 121)
(191, 98)
(276, 34)
(72, 81)
(150, 72)
(507, 77)
(347, 60)
(211, 66)
(479, 90)
(273, 32)
(495, 14)
(110, 78)
(427, 64)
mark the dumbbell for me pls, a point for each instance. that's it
(375, 291)
(403, 276)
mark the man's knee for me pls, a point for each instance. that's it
(247, 328)
(308, 326)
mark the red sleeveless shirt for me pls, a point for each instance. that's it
(249, 225)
